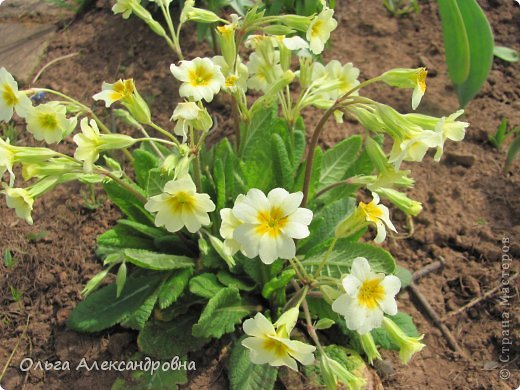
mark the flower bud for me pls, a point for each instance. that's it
(369, 347)
(138, 108)
(403, 202)
(408, 345)
(226, 36)
(300, 23)
(376, 155)
(189, 12)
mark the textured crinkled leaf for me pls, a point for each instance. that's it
(404, 276)
(229, 280)
(146, 230)
(221, 314)
(127, 202)
(277, 283)
(157, 261)
(282, 164)
(102, 309)
(156, 181)
(121, 237)
(341, 258)
(138, 318)
(144, 162)
(173, 287)
(245, 375)
(164, 340)
(205, 285)
(336, 161)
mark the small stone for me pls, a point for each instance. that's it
(384, 367)
(465, 160)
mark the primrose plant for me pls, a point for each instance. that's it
(256, 239)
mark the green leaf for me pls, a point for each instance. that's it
(156, 181)
(324, 223)
(337, 160)
(481, 44)
(220, 183)
(229, 280)
(164, 340)
(456, 41)
(121, 237)
(145, 230)
(404, 321)
(144, 162)
(341, 258)
(205, 285)
(506, 54)
(500, 135)
(246, 375)
(95, 282)
(8, 258)
(404, 276)
(127, 202)
(102, 309)
(282, 164)
(148, 380)
(299, 142)
(324, 323)
(173, 287)
(278, 283)
(513, 150)
(138, 318)
(121, 278)
(157, 261)
(223, 311)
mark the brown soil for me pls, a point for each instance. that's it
(469, 204)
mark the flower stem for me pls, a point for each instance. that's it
(124, 184)
(326, 257)
(164, 132)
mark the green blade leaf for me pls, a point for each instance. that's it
(341, 258)
(121, 278)
(223, 311)
(139, 317)
(481, 44)
(282, 163)
(127, 202)
(157, 261)
(506, 54)
(456, 42)
(245, 375)
(513, 150)
(121, 237)
(102, 309)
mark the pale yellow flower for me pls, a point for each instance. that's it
(11, 99)
(319, 30)
(48, 122)
(368, 296)
(201, 78)
(271, 343)
(180, 205)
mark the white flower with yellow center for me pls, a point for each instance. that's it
(271, 223)
(180, 205)
(49, 122)
(201, 78)
(110, 93)
(262, 73)
(10, 99)
(379, 215)
(90, 143)
(334, 79)
(414, 146)
(368, 296)
(319, 30)
(235, 80)
(188, 114)
(271, 343)
(7, 158)
(124, 7)
(20, 200)
(228, 226)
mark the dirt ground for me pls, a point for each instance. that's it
(470, 205)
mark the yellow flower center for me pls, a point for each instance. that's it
(370, 292)
(421, 79)
(123, 89)
(182, 201)
(278, 348)
(316, 27)
(48, 121)
(200, 76)
(9, 96)
(230, 81)
(372, 212)
(271, 222)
